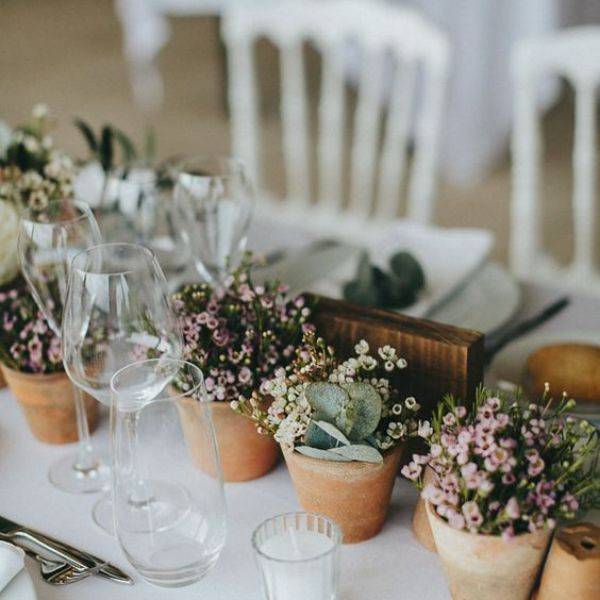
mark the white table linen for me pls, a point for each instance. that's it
(392, 565)
(12, 561)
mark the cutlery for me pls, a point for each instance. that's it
(495, 343)
(58, 572)
(80, 560)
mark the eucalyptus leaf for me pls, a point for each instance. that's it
(366, 405)
(321, 454)
(404, 265)
(359, 452)
(326, 399)
(315, 437)
(333, 431)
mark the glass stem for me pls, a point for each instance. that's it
(85, 461)
(140, 495)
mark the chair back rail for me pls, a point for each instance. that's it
(573, 54)
(387, 39)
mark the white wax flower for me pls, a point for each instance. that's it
(9, 230)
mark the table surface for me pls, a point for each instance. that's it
(389, 566)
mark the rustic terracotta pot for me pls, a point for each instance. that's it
(486, 567)
(48, 404)
(573, 565)
(420, 520)
(356, 495)
(245, 454)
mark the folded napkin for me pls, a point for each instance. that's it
(12, 560)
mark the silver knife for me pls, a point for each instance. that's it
(23, 536)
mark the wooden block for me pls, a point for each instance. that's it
(441, 359)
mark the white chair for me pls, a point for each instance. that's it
(381, 32)
(146, 30)
(575, 55)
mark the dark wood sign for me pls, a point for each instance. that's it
(441, 358)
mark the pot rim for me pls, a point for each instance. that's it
(301, 456)
(24, 374)
(495, 536)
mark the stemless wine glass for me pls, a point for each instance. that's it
(167, 483)
(117, 311)
(216, 198)
(48, 240)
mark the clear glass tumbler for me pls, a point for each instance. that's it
(169, 505)
(298, 556)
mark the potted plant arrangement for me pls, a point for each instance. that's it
(504, 474)
(31, 362)
(239, 336)
(33, 173)
(341, 425)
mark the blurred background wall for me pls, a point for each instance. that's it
(68, 54)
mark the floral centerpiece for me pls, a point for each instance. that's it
(31, 362)
(341, 424)
(27, 344)
(33, 173)
(239, 336)
(503, 474)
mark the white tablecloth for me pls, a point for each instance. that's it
(390, 566)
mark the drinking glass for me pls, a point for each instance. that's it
(215, 198)
(298, 556)
(170, 517)
(137, 206)
(117, 311)
(48, 240)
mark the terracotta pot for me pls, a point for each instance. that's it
(356, 495)
(245, 454)
(486, 567)
(2, 381)
(420, 520)
(48, 404)
(573, 566)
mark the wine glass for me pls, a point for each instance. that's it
(117, 311)
(215, 198)
(48, 240)
(168, 494)
(137, 206)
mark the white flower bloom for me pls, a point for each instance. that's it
(40, 111)
(401, 363)
(397, 409)
(388, 366)
(367, 362)
(411, 403)
(31, 144)
(425, 429)
(362, 347)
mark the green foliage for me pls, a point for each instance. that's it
(396, 288)
(345, 417)
(108, 143)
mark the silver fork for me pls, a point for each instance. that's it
(58, 572)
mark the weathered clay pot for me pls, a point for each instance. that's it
(420, 521)
(356, 495)
(48, 404)
(486, 567)
(573, 565)
(245, 454)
